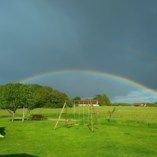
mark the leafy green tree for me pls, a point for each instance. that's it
(58, 99)
(77, 98)
(102, 99)
(10, 97)
(17, 95)
(42, 95)
(48, 97)
(29, 96)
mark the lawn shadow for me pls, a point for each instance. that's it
(17, 155)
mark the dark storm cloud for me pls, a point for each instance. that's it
(106, 35)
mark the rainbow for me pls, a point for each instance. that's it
(93, 72)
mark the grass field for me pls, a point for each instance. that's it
(132, 132)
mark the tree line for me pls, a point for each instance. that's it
(15, 96)
(29, 96)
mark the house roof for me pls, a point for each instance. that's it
(87, 101)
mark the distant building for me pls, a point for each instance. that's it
(140, 104)
(87, 102)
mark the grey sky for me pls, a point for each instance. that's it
(112, 36)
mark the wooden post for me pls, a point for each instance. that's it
(13, 116)
(74, 111)
(92, 124)
(23, 114)
(66, 118)
(91, 116)
(83, 113)
(59, 116)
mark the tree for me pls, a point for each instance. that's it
(58, 99)
(48, 97)
(77, 98)
(42, 95)
(29, 96)
(10, 97)
(17, 95)
(102, 99)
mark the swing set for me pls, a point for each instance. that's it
(85, 114)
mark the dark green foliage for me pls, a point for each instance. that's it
(30, 96)
(17, 155)
(102, 99)
(152, 104)
(77, 98)
(121, 104)
(12, 97)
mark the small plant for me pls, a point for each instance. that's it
(110, 114)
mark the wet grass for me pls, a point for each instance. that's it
(130, 133)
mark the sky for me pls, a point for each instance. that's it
(109, 36)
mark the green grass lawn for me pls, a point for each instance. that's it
(132, 132)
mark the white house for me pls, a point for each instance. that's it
(88, 102)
